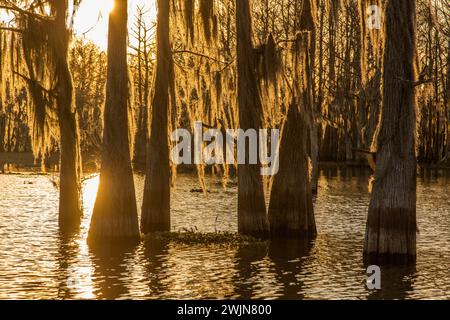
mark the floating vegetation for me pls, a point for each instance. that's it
(200, 238)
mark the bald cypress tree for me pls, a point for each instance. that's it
(252, 216)
(156, 202)
(115, 211)
(70, 159)
(291, 208)
(39, 58)
(308, 23)
(391, 222)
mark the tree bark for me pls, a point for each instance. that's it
(291, 209)
(156, 202)
(115, 211)
(140, 140)
(252, 217)
(308, 23)
(70, 211)
(391, 223)
(446, 104)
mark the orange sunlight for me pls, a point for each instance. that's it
(92, 18)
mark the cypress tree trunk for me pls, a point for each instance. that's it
(308, 23)
(115, 211)
(70, 211)
(140, 139)
(446, 104)
(2, 128)
(391, 223)
(252, 217)
(369, 77)
(291, 208)
(156, 202)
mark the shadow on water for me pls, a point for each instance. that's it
(37, 262)
(247, 258)
(396, 283)
(110, 265)
(155, 253)
(287, 257)
(270, 269)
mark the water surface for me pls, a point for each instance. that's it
(36, 262)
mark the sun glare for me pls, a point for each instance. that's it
(106, 6)
(90, 187)
(92, 18)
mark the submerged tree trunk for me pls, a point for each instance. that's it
(156, 202)
(115, 211)
(70, 211)
(252, 217)
(391, 223)
(291, 209)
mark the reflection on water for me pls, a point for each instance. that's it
(37, 262)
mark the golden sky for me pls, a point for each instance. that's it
(92, 18)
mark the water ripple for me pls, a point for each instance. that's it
(35, 262)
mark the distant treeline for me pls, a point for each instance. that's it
(346, 89)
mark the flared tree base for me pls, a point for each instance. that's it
(69, 220)
(291, 213)
(114, 230)
(253, 224)
(390, 236)
(114, 217)
(288, 229)
(156, 203)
